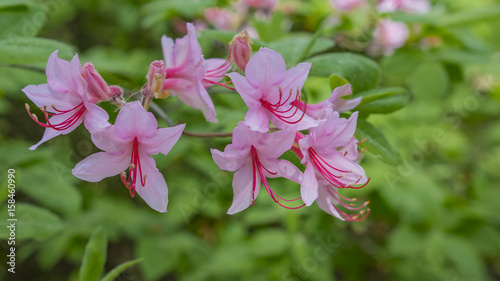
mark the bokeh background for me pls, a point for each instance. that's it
(434, 207)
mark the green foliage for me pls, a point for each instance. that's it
(376, 143)
(94, 256)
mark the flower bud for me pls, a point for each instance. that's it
(156, 76)
(241, 49)
(96, 86)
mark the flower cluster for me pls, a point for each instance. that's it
(329, 151)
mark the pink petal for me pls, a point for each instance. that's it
(134, 121)
(309, 186)
(242, 188)
(284, 168)
(162, 141)
(167, 45)
(305, 123)
(43, 95)
(216, 70)
(78, 84)
(265, 69)
(101, 165)
(155, 190)
(107, 140)
(231, 159)
(95, 117)
(324, 201)
(65, 77)
(355, 174)
(192, 94)
(275, 144)
(256, 118)
(48, 134)
(294, 80)
(250, 95)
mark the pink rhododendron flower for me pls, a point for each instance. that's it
(410, 6)
(97, 88)
(187, 71)
(270, 92)
(347, 5)
(334, 103)
(65, 101)
(325, 158)
(254, 157)
(129, 144)
(222, 19)
(260, 4)
(241, 49)
(388, 36)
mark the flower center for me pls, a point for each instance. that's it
(331, 173)
(285, 109)
(258, 170)
(135, 170)
(74, 114)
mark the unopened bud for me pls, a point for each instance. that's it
(241, 49)
(96, 86)
(156, 76)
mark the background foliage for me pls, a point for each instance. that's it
(434, 196)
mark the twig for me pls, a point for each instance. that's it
(21, 66)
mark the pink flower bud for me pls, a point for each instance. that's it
(96, 86)
(156, 76)
(261, 4)
(241, 49)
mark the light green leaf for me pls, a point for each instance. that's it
(20, 19)
(376, 143)
(32, 222)
(337, 81)
(470, 16)
(160, 254)
(385, 100)
(429, 81)
(119, 269)
(94, 256)
(225, 36)
(292, 47)
(361, 72)
(270, 29)
(32, 51)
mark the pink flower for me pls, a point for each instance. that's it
(347, 5)
(328, 155)
(332, 202)
(241, 49)
(129, 144)
(388, 36)
(254, 157)
(221, 18)
(410, 6)
(97, 88)
(261, 4)
(270, 91)
(64, 100)
(185, 71)
(334, 103)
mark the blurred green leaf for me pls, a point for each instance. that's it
(430, 81)
(32, 222)
(20, 19)
(119, 269)
(376, 143)
(385, 100)
(361, 72)
(271, 28)
(292, 47)
(269, 242)
(32, 51)
(225, 37)
(470, 16)
(94, 256)
(160, 254)
(337, 81)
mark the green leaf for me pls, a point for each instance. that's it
(160, 255)
(32, 51)
(292, 47)
(361, 72)
(225, 36)
(337, 81)
(270, 29)
(376, 143)
(119, 269)
(94, 256)
(32, 222)
(470, 16)
(385, 100)
(20, 19)
(429, 81)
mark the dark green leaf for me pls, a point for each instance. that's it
(94, 256)
(20, 19)
(32, 50)
(337, 81)
(361, 72)
(376, 143)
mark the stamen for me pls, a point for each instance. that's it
(280, 113)
(78, 112)
(134, 168)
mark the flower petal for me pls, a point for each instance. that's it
(101, 165)
(231, 159)
(324, 201)
(355, 174)
(242, 188)
(155, 190)
(162, 141)
(265, 69)
(134, 121)
(256, 118)
(275, 144)
(250, 94)
(309, 186)
(216, 70)
(95, 117)
(43, 95)
(48, 134)
(167, 44)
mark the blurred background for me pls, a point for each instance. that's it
(434, 200)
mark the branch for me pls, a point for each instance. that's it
(21, 66)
